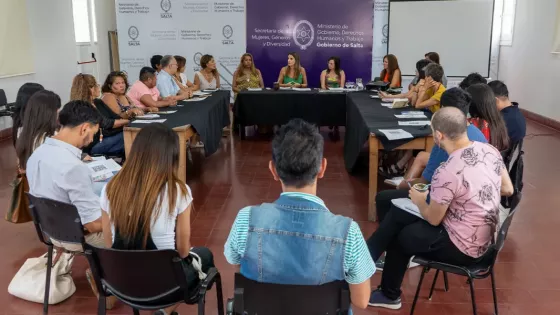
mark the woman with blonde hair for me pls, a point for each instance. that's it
(161, 218)
(85, 88)
(247, 75)
(293, 75)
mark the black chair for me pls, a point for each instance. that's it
(513, 160)
(480, 270)
(147, 279)
(57, 220)
(3, 98)
(252, 298)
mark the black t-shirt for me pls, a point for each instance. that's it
(515, 123)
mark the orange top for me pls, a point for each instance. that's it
(386, 79)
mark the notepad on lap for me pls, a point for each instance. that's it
(407, 205)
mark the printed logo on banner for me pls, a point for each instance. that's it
(385, 32)
(165, 6)
(227, 31)
(303, 34)
(133, 33)
(196, 58)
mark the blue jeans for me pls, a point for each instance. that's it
(113, 145)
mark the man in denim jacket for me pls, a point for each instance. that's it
(296, 239)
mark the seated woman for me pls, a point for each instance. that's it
(114, 95)
(458, 221)
(486, 117)
(180, 76)
(333, 76)
(85, 88)
(161, 219)
(247, 75)
(23, 95)
(391, 72)
(293, 75)
(208, 78)
(413, 90)
(39, 121)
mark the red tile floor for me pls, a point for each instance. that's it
(527, 274)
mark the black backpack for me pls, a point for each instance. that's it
(513, 161)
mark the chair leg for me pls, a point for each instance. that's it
(494, 292)
(426, 269)
(445, 282)
(135, 311)
(472, 295)
(201, 305)
(101, 305)
(434, 284)
(48, 280)
(219, 294)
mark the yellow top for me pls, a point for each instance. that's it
(436, 96)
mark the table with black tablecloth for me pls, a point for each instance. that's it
(365, 117)
(206, 117)
(269, 107)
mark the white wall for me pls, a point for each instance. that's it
(52, 35)
(531, 72)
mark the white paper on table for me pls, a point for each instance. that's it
(102, 170)
(149, 121)
(339, 89)
(200, 93)
(301, 89)
(195, 99)
(166, 112)
(285, 88)
(389, 105)
(254, 89)
(407, 205)
(396, 134)
(148, 116)
(98, 158)
(414, 116)
(374, 96)
(415, 123)
(208, 91)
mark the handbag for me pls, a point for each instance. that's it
(18, 211)
(30, 281)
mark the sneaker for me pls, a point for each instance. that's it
(378, 299)
(380, 263)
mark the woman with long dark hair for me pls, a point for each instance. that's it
(160, 219)
(40, 120)
(333, 76)
(485, 116)
(293, 75)
(391, 72)
(24, 94)
(208, 78)
(180, 77)
(114, 95)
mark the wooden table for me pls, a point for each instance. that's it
(424, 143)
(184, 133)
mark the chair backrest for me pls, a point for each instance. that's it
(252, 298)
(56, 219)
(3, 99)
(138, 277)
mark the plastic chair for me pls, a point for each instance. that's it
(57, 220)
(480, 270)
(252, 298)
(147, 279)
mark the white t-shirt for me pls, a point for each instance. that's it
(183, 78)
(162, 229)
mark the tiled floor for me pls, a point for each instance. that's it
(527, 274)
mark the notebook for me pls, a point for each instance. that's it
(406, 204)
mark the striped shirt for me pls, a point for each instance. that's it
(358, 264)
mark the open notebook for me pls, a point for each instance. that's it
(407, 205)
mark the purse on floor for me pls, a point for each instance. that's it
(30, 281)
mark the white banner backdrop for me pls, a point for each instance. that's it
(189, 28)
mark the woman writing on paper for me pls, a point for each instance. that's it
(333, 76)
(391, 72)
(293, 75)
(208, 78)
(247, 76)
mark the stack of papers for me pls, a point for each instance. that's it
(388, 105)
(165, 112)
(148, 116)
(195, 99)
(415, 123)
(407, 205)
(412, 114)
(396, 134)
(149, 121)
(103, 169)
(301, 89)
(200, 93)
(336, 89)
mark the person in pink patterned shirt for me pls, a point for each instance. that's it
(145, 94)
(455, 220)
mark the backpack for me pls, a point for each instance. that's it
(514, 165)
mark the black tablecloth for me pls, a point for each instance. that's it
(208, 117)
(366, 115)
(268, 107)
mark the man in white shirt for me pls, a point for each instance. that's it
(55, 169)
(166, 84)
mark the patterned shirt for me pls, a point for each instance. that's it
(470, 184)
(358, 265)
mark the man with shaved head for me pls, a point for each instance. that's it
(455, 225)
